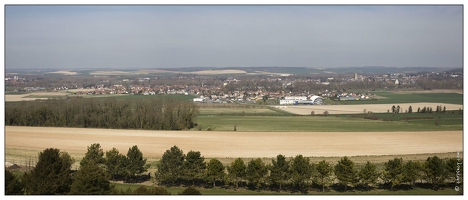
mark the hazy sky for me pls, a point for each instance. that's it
(69, 37)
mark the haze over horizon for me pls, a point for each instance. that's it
(162, 36)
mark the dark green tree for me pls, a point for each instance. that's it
(256, 172)
(116, 164)
(237, 171)
(411, 172)
(13, 185)
(136, 163)
(345, 172)
(194, 166)
(279, 171)
(455, 170)
(393, 172)
(51, 174)
(190, 191)
(410, 109)
(214, 170)
(324, 173)
(91, 179)
(301, 172)
(94, 154)
(170, 166)
(368, 175)
(435, 171)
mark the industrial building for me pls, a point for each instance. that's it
(314, 100)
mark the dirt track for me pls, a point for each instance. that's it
(235, 144)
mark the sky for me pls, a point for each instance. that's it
(162, 36)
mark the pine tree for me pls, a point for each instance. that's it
(256, 172)
(116, 164)
(279, 170)
(393, 172)
(136, 163)
(237, 171)
(368, 175)
(51, 174)
(324, 172)
(194, 166)
(411, 172)
(435, 171)
(170, 166)
(301, 172)
(94, 154)
(13, 185)
(91, 179)
(214, 170)
(345, 172)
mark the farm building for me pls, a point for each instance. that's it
(198, 99)
(314, 100)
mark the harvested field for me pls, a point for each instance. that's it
(234, 144)
(25, 97)
(357, 109)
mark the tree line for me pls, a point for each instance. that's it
(53, 175)
(150, 114)
(299, 174)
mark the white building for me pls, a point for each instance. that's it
(314, 100)
(198, 100)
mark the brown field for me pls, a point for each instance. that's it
(28, 141)
(357, 109)
(24, 97)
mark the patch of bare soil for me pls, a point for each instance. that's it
(362, 108)
(234, 144)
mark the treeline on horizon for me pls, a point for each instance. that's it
(53, 175)
(149, 114)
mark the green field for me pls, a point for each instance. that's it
(330, 123)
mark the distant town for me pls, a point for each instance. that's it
(264, 88)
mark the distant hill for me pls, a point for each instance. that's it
(368, 70)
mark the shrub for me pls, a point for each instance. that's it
(190, 191)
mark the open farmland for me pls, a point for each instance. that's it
(235, 144)
(363, 108)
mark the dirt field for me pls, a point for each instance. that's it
(232, 144)
(357, 109)
(23, 97)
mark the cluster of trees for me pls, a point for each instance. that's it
(298, 173)
(53, 174)
(153, 114)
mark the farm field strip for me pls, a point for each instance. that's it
(236, 144)
(359, 109)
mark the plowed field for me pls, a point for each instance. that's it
(235, 144)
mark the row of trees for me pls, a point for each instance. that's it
(298, 173)
(154, 114)
(53, 175)
(425, 109)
